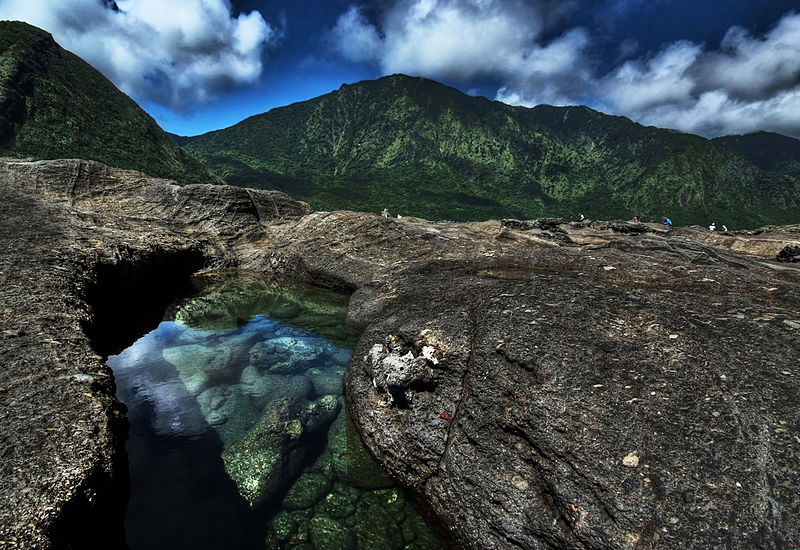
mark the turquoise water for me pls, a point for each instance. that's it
(238, 434)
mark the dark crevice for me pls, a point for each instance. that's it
(126, 296)
(555, 457)
(129, 296)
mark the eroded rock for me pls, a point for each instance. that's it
(548, 368)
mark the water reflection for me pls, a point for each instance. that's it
(238, 434)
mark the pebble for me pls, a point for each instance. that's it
(631, 460)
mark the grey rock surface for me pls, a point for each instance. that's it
(592, 385)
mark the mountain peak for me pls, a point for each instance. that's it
(55, 105)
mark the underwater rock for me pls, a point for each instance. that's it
(271, 453)
(306, 491)
(350, 460)
(329, 533)
(198, 365)
(285, 355)
(340, 502)
(263, 388)
(229, 410)
(327, 381)
(379, 515)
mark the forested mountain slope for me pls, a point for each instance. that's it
(418, 147)
(55, 105)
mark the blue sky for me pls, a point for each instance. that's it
(708, 67)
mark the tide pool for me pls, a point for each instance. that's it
(238, 433)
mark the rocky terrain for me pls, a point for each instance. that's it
(535, 384)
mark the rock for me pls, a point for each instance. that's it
(520, 316)
(329, 533)
(283, 525)
(327, 382)
(306, 491)
(398, 375)
(229, 410)
(631, 460)
(285, 355)
(379, 520)
(199, 365)
(269, 456)
(269, 387)
(351, 461)
(789, 253)
(340, 502)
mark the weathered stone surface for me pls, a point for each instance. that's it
(562, 351)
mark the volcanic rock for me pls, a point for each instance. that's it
(530, 372)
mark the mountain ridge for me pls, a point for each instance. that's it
(446, 155)
(55, 105)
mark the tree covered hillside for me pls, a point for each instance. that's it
(55, 105)
(421, 148)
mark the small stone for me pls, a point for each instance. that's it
(631, 460)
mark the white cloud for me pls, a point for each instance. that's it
(752, 68)
(746, 84)
(176, 53)
(355, 38)
(461, 40)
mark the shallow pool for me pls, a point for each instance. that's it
(238, 434)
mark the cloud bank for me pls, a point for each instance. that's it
(178, 53)
(744, 84)
(463, 40)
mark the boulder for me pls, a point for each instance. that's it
(269, 456)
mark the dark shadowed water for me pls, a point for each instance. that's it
(238, 436)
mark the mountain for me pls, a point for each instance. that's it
(55, 105)
(418, 147)
(767, 150)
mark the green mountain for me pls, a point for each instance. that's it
(767, 150)
(54, 105)
(420, 148)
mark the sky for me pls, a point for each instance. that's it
(710, 67)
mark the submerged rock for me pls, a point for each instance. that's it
(198, 365)
(270, 455)
(285, 355)
(306, 491)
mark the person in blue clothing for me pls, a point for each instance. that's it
(668, 222)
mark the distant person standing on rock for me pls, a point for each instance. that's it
(712, 227)
(581, 217)
(668, 222)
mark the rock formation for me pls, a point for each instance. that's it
(535, 385)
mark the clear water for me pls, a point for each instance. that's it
(238, 436)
